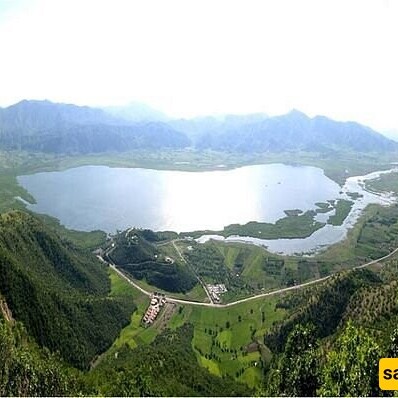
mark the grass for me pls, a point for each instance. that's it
(210, 365)
(292, 226)
(354, 195)
(293, 212)
(233, 329)
(195, 294)
(252, 377)
(133, 334)
(385, 183)
(9, 190)
(323, 207)
(343, 208)
(374, 235)
(222, 335)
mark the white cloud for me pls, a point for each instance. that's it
(188, 57)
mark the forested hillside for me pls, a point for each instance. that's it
(59, 292)
(336, 334)
(27, 370)
(136, 254)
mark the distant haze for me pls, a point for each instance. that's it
(202, 57)
(392, 134)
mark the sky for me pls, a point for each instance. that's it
(338, 58)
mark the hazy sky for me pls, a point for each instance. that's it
(332, 57)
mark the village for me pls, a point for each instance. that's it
(216, 290)
(158, 300)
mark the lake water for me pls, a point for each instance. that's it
(99, 197)
(327, 235)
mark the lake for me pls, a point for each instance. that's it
(329, 234)
(99, 197)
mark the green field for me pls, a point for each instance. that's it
(228, 341)
(294, 225)
(385, 183)
(343, 208)
(260, 269)
(133, 334)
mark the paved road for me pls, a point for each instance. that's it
(113, 266)
(377, 260)
(273, 293)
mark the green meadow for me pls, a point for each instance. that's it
(226, 340)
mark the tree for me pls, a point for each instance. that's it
(393, 349)
(351, 368)
(299, 365)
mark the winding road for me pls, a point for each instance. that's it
(272, 293)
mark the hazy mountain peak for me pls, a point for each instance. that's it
(136, 112)
(52, 127)
(297, 114)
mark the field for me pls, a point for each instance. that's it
(226, 340)
(343, 207)
(250, 268)
(385, 183)
(133, 334)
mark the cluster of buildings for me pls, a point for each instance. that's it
(158, 300)
(216, 290)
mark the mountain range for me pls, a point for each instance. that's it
(62, 128)
(43, 126)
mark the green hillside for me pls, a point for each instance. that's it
(59, 292)
(26, 370)
(137, 255)
(331, 343)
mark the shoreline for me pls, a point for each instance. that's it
(326, 236)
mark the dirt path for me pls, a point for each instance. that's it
(195, 273)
